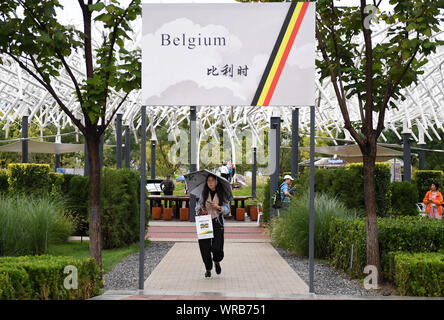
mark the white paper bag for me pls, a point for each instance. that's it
(204, 227)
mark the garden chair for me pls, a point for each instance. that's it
(259, 213)
(421, 208)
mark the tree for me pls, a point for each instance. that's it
(375, 75)
(41, 45)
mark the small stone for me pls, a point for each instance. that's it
(125, 274)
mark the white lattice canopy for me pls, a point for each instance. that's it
(21, 95)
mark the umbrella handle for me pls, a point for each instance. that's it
(202, 212)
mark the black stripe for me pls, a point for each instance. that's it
(273, 54)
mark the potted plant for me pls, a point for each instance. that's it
(156, 212)
(253, 210)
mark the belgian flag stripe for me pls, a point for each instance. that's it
(280, 53)
(273, 55)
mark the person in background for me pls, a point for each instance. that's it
(230, 166)
(433, 201)
(214, 202)
(286, 191)
(167, 186)
(224, 170)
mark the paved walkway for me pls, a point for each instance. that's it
(251, 268)
(248, 268)
(178, 231)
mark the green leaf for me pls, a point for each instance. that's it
(105, 17)
(44, 37)
(96, 7)
(120, 42)
(405, 54)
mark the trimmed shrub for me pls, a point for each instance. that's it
(417, 274)
(56, 181)
(344, 233)
(65, 187)
(29, 178)
(403, 198)
(290, 230)
(3, 181)
(120, 207)
(424, 179)
(77, 202)
(411, 234)
(342, 183)
(14, 283)
(29, 224)
(347, 184)
(43, 278)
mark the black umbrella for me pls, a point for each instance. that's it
(195, 182)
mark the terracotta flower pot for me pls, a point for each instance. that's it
(167, 213)
(249, 208)
(240, 214)
(253, 213)
(156, 212)
(184, 214)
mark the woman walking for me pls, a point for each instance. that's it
(433, 200)
(213, 201)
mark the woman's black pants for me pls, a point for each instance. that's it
(213, 246)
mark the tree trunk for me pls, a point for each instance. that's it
(95, 234)
(369, 158)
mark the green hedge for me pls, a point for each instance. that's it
(404, 197)
(3, 181)
(120, 207)
(56, 180)
(77, 202)
(42, 278)
(65, 187)
(347, 184)
(14, 283)
(417, 274)
(29, 178)
(423, 180)
(412, 234)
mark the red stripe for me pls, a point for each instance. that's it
(286, 53)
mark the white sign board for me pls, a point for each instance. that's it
(153, 187)
(240, 54)
(396, 171)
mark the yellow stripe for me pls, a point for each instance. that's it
(280, 53)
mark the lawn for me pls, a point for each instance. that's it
(79, 249)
